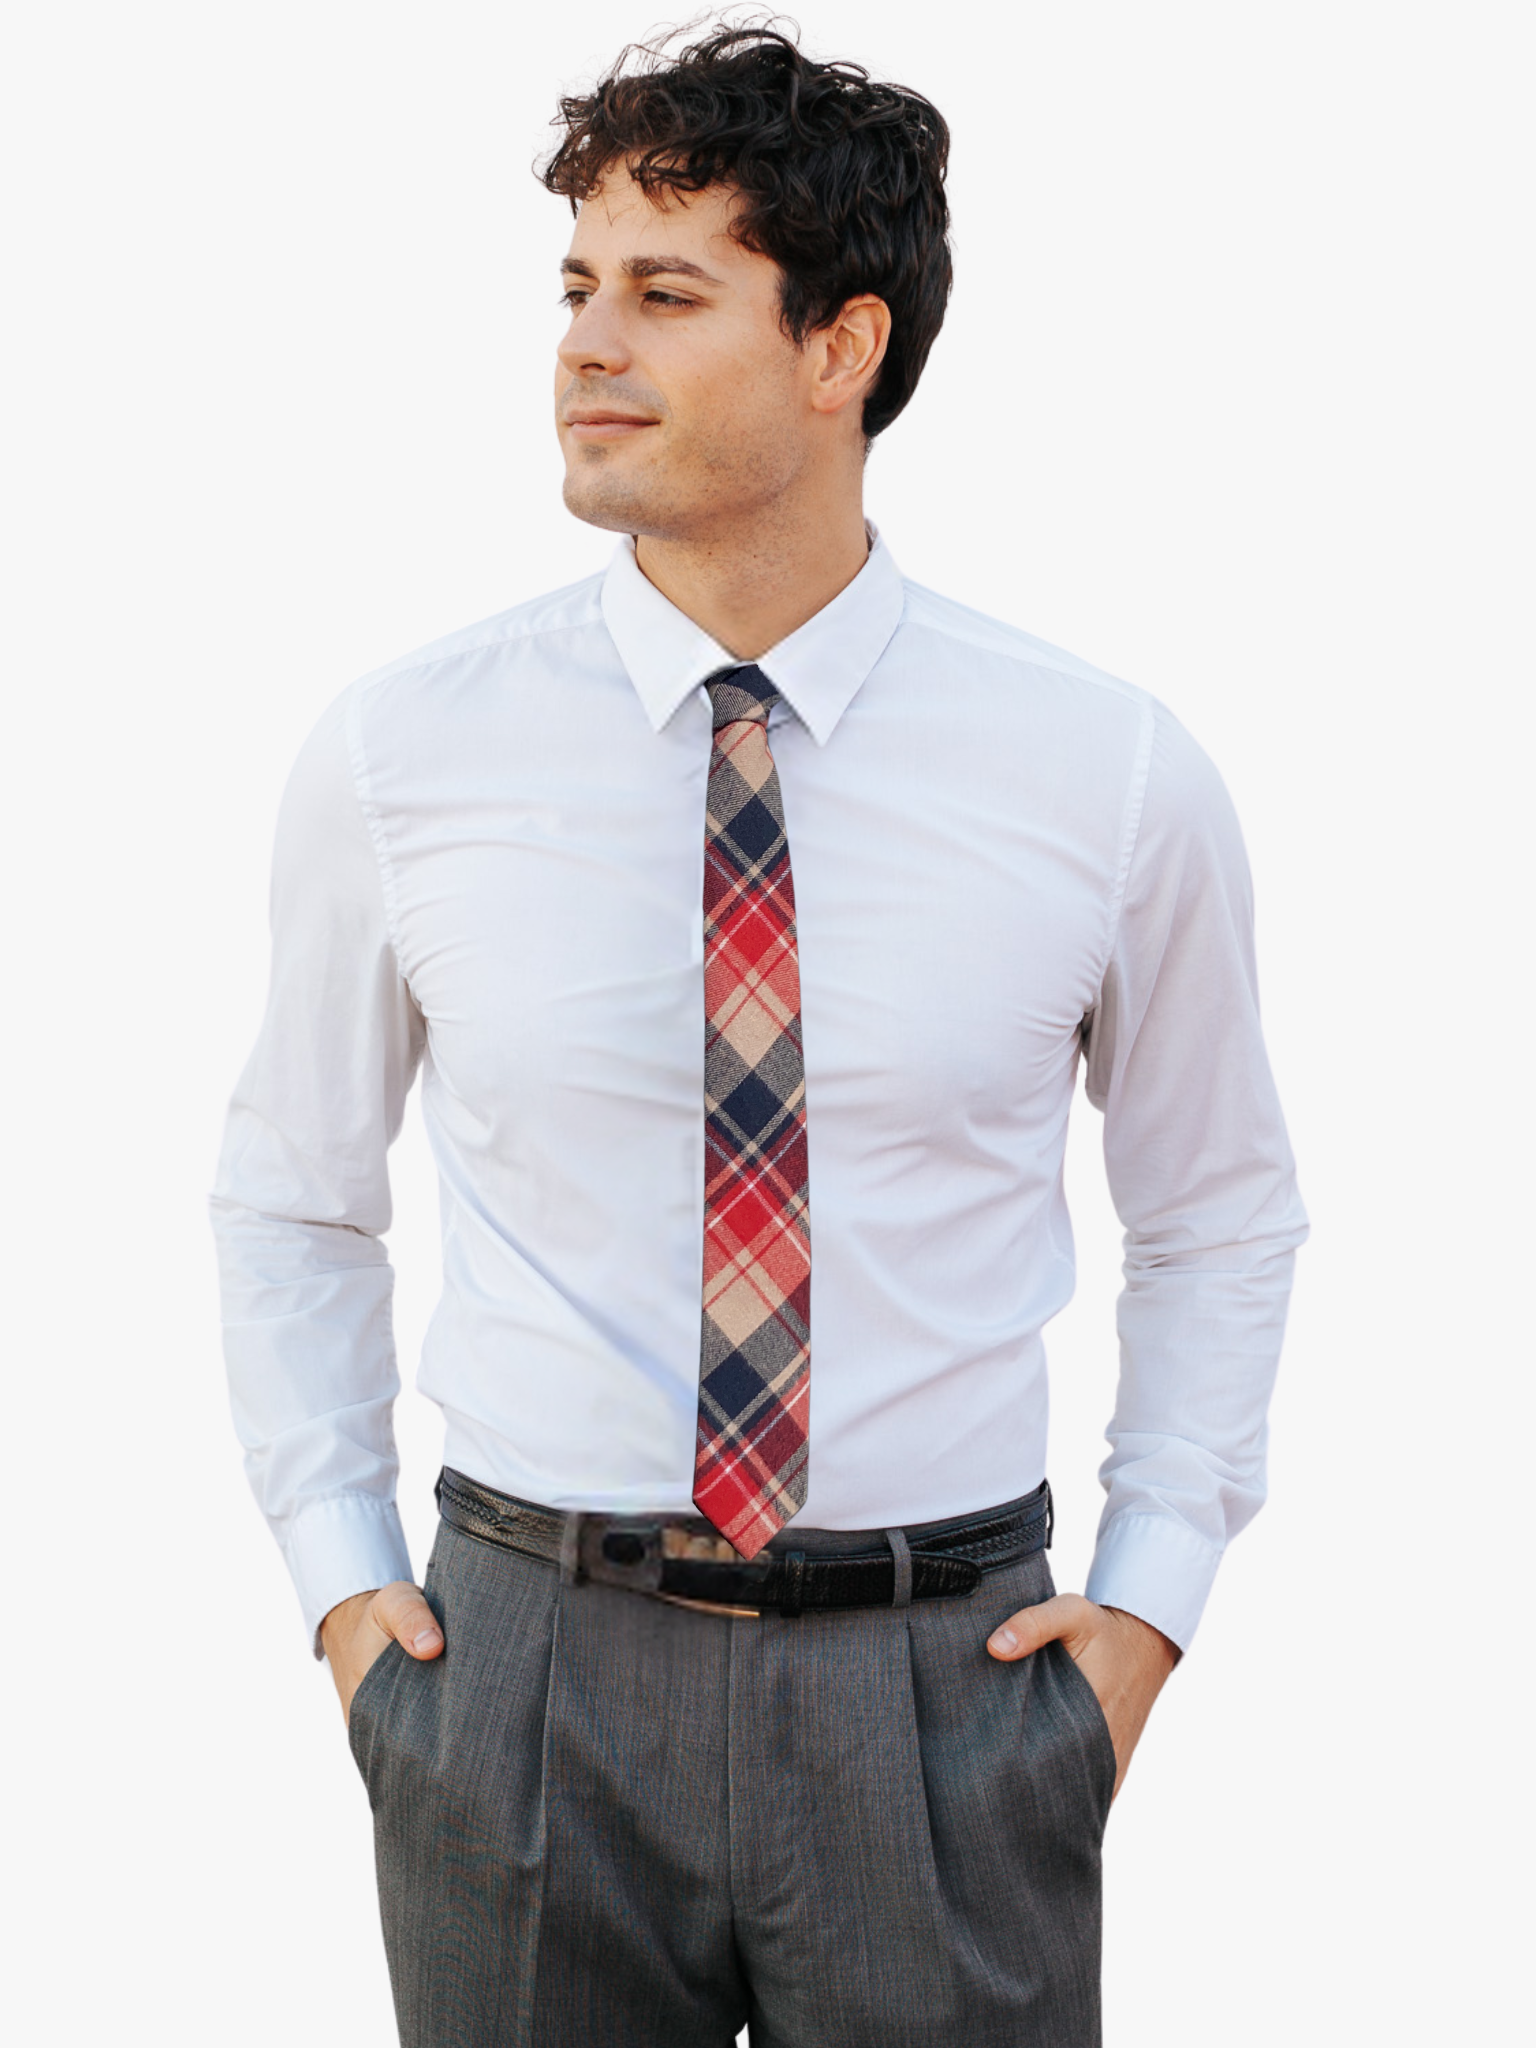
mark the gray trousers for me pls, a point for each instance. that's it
(606, 1822)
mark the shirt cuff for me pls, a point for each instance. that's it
(1155, 1568)
(348, 1544)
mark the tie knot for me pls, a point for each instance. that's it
(738, 694)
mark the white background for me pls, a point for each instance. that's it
(1234, 400)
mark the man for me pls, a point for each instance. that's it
(748, 911)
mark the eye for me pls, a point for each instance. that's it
(575, 298)
(655, 298)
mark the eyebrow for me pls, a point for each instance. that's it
(644, 266)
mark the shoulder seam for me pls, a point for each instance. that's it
(362, 790)
(1135, 810)
(1051, 661)
(409, 667)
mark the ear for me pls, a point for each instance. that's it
(847, 353)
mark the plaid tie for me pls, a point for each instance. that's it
(755, 1368)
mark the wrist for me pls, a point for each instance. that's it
(1155, 1645)
(343, 1618)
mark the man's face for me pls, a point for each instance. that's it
(681, 403)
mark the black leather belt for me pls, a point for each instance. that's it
(680, 1558)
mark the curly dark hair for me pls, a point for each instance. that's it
(841, 179)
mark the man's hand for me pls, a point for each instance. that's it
(1124, 1659)
(359, 1630)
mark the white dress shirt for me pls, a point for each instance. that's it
(489, 866)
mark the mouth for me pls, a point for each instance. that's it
(601, 424)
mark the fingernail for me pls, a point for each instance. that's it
(427, 1640)
(1004, 1641)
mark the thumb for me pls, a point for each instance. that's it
(1064, 1617)
(401, 1611)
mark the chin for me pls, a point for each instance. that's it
(598, 506)
(619, 504)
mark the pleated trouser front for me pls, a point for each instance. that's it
(607, 1822)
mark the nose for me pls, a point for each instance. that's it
(595, 340)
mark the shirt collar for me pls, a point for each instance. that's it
(818, 669)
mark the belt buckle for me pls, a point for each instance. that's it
(709, 1606)
(700, 1546)
(629, 1553)
(615, 1550)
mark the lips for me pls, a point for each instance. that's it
(603, 423)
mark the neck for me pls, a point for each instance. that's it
(750, 587)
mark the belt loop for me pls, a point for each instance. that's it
(571, 1573)
(1050, 1512)
(901, 1552)
(794, 1584)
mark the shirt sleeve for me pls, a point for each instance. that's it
(1202, 1177)
(301, 1198)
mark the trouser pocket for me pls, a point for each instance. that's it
(370, 1700)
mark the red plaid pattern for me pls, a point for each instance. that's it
(750, 1467)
